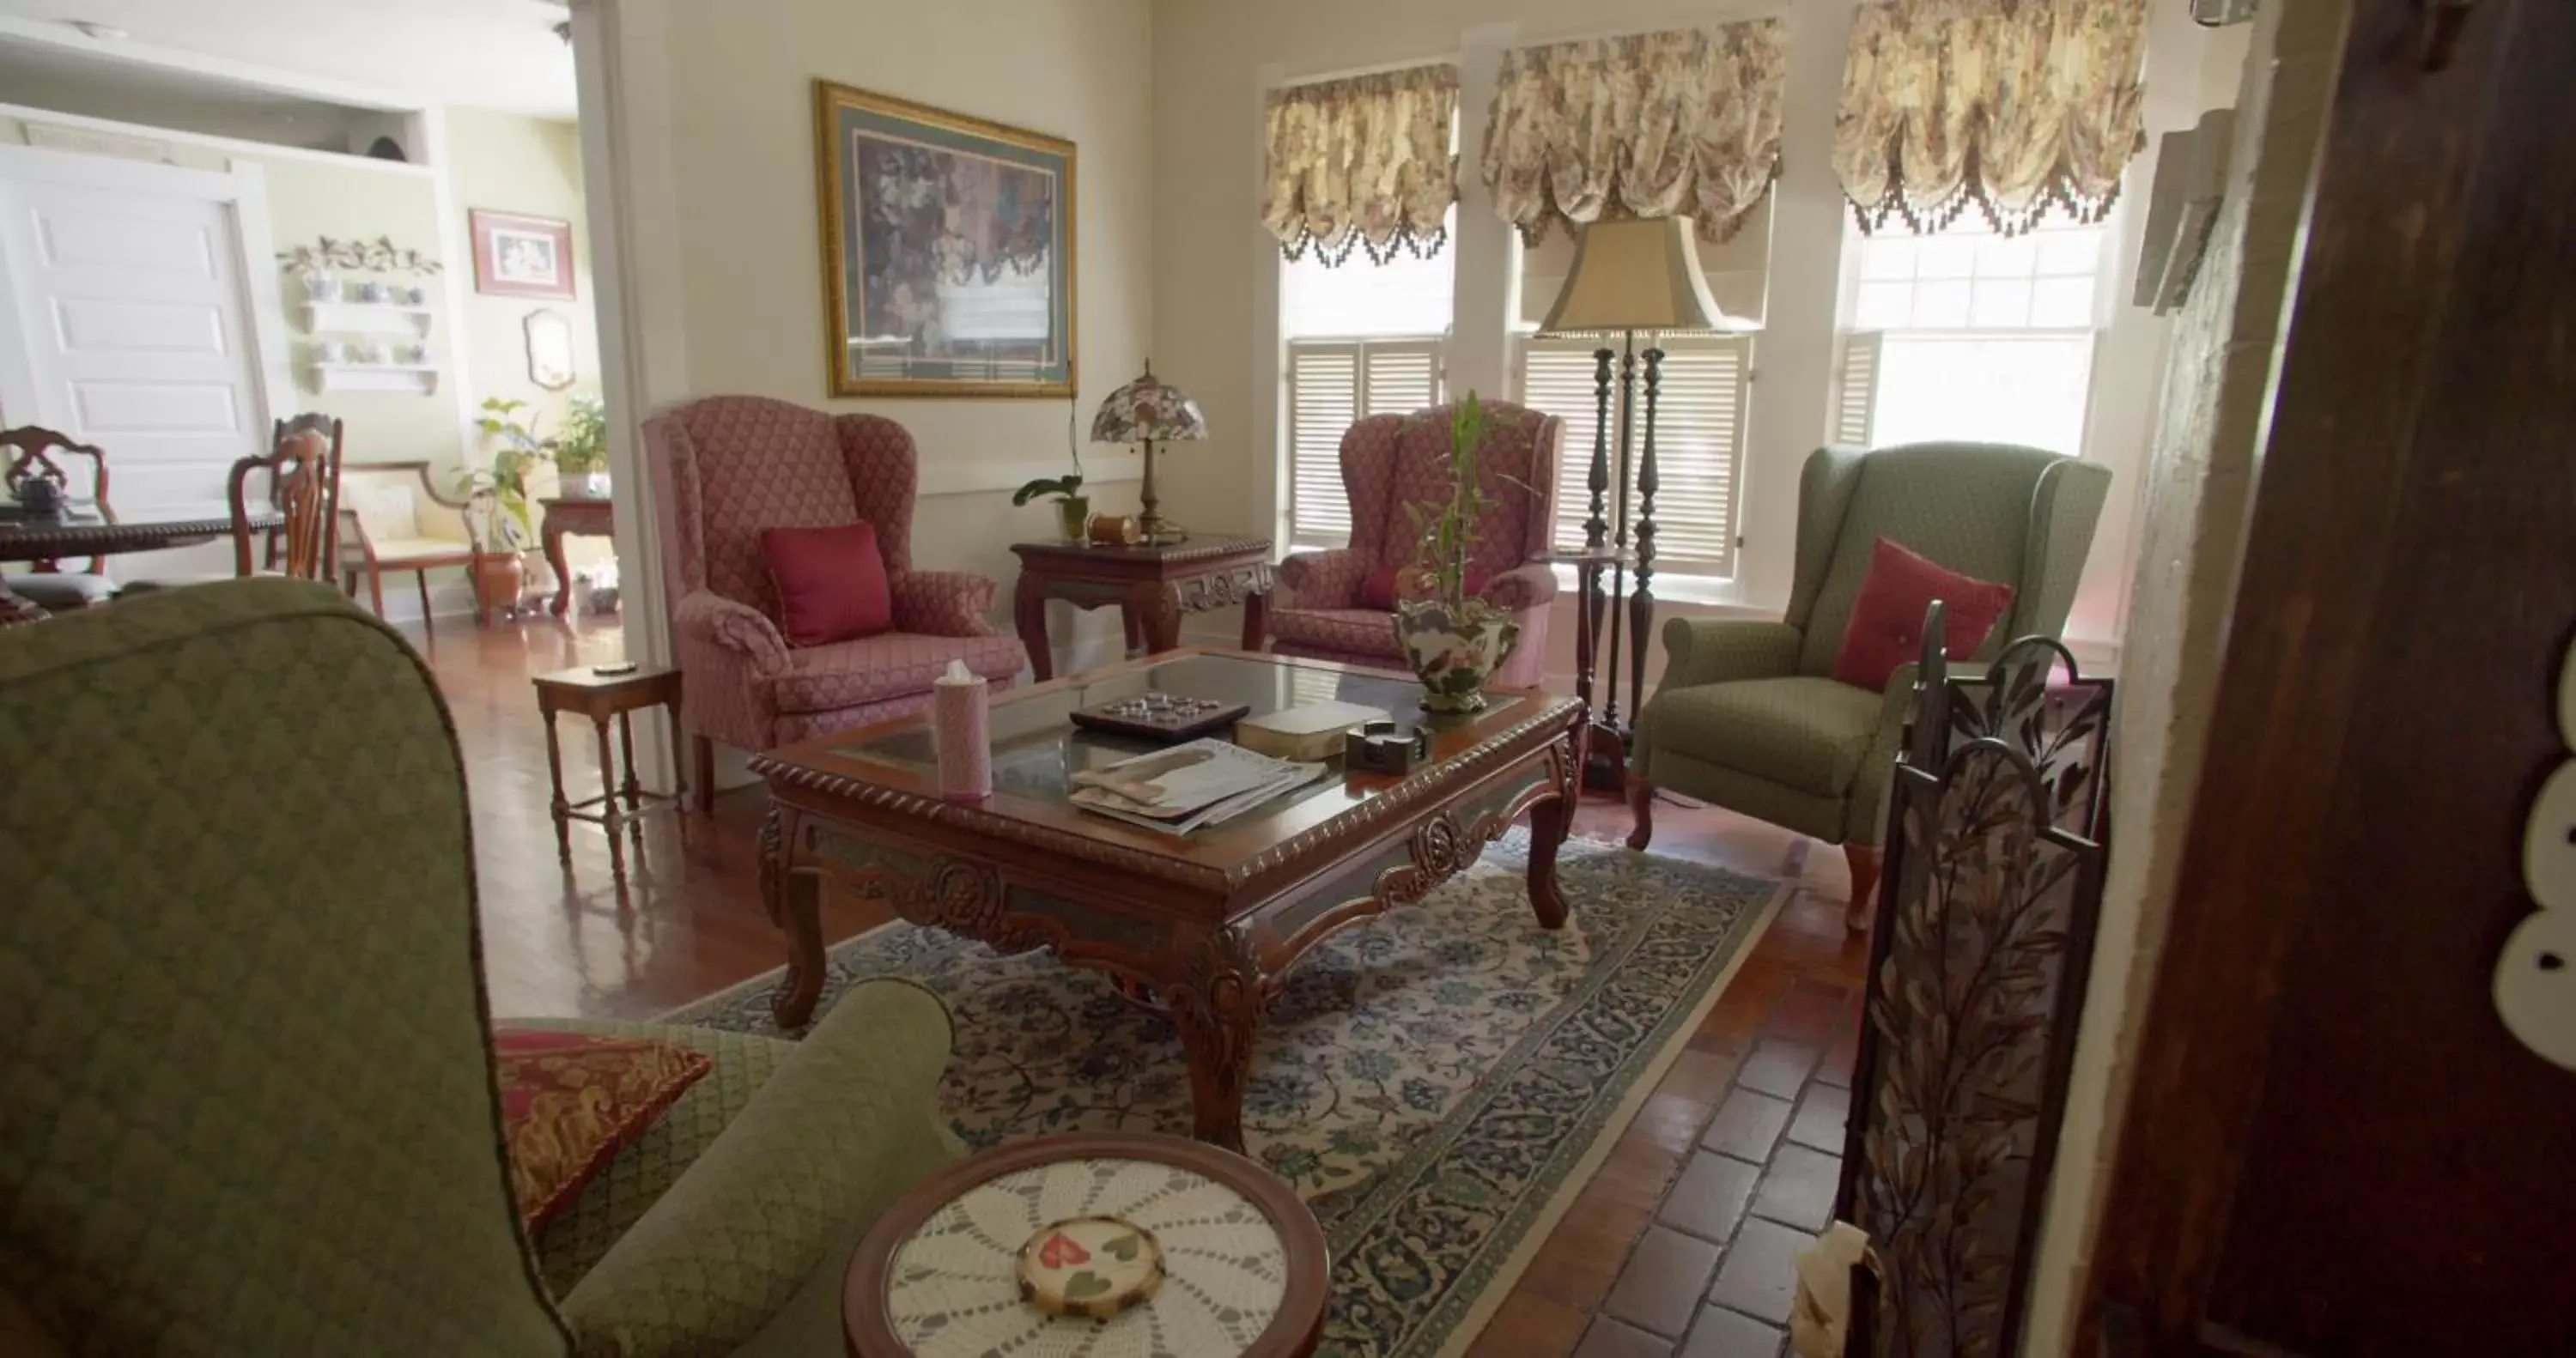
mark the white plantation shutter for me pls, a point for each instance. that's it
(1558, 376)
(1331, 385)
(1699, 442)
(1699, 451)
(1855, 390)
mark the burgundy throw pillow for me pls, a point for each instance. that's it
(1887, 619)
(570, 1101)
(831, 583)
(1380, 588)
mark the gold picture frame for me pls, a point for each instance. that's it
(894, 180)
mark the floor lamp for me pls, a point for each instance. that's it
(1630, 275)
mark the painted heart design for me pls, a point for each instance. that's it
(1085, 1284)
(1122, 1249)
(1059, 1251)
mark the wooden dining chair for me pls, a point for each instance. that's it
(38, 454)
(303, 468)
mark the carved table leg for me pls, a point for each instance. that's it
(1134, 623)
(1216, 1004)
(553, 533)
(611, 819)
(1162, 607)
(795, 902)
(554, 771)
(1550, 822)
(1028, 608)
(1256, 619)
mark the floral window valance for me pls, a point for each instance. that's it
(1684, 123)
(2014, 107)
(1362, 163)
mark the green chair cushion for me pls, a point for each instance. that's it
(645, 1168)
(1806, 733)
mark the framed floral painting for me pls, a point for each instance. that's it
(947, 250)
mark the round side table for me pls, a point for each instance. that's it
(1180, 1249)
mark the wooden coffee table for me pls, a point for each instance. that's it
(1203, 927)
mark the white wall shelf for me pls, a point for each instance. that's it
(406, 377)
(366, 318)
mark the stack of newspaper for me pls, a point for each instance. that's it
(1205, 782)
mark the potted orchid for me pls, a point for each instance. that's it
(1454, 639)
(1072, 507)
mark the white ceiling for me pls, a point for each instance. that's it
(404, 53)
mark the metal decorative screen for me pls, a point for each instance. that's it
(1997, 834)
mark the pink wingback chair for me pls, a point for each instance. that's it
(1390, 461)
(726, 468)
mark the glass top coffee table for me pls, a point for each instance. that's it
(1202, 926)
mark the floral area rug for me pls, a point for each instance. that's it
(1436, 1082)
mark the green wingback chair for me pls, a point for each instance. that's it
(1747, 715)
(249, 1105)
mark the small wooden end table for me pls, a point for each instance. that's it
(584, 515)
(1151, 585)
(600, 697)
(1243, 1267)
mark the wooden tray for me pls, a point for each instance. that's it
(1166, 718)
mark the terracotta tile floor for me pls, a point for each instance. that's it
(1680, 1244)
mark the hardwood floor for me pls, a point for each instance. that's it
(1681, 1243)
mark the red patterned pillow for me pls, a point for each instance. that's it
(1886, 628)
(570, 1100)
(831, 583)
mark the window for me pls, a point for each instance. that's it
(1699, 441)
(1331, 385)
(1971, 335)
(1363, 339)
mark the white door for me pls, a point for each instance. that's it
(130, 296)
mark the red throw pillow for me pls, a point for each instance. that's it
(1887, 619)
(569, 1101)
(831, 583)
(1378, 588)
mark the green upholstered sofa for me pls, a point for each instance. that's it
(1747, 715)
(246, 1106)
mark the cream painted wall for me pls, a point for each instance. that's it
(345, 197)
(748, 253)
(508, 163)
(2199, 488)
(1212, 318)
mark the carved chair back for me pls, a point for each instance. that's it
(38, 454)
(303, 485)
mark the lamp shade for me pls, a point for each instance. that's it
(1148, 408)
(1636, 274)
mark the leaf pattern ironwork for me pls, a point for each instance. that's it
(1994, 868)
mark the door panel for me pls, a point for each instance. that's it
(2333, 1145)
(137, 333)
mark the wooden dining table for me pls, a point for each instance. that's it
(79, 533)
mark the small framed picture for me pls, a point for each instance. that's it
(521, 256)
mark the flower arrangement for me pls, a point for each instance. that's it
(1072, 507)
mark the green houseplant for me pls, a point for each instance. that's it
(1454, 640)
(1072, 507)
(581, 450)
(497, 514)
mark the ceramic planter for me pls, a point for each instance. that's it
(1454, 651)
(500, 581)
(1073, 517)
(586, 485)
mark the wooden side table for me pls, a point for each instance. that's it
(1152, 585)
(586, 515)
(1241, 1264)
(602, 697)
